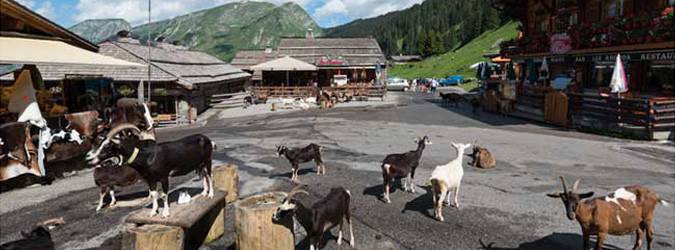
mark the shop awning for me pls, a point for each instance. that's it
(15, 50)
(284, 64)
(500, 59)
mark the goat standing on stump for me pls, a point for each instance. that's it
(301, 155)
(156, 162)
(446, 178)
(402, 165)
(482, 158)
(323, 215)
(627, 210)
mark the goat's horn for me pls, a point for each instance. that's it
(121, 127)
(574, 187)
(564, 184)
(297, 190)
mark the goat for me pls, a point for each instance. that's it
(451, 98)
(156, 162)
(107, 175)
(402, 165)
(323, 215)
(445, 178)
(482, 158)
(628, 209)
(37, 239)
(301, 155)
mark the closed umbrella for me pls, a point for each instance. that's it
(531, 72)
(544, 69)
(510, 71)
(618, 84)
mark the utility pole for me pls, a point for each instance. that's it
(149, 48)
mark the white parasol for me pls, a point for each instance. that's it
(618, 84)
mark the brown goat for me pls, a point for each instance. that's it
(482, 158)
(626, 210)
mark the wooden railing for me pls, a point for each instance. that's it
(283, 92)
(662, 113)
(368, 91)
(656, 114)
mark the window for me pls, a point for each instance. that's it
(660, 77)
(602, 74)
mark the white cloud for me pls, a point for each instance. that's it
(361, 8)
(47, 10)
(27, 3)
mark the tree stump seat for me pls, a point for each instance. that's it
(192, 224)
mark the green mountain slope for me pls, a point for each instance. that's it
(457, 61)
(219, 31)
(430, 28)
(98, 30)
(223, 30)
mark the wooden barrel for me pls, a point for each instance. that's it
(255, 228)
(226, 177)
(151, 237)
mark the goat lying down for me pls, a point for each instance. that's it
(446, 178)
(156, 162)
(323, 215)
(625, 211)
(301, 155)
(37, 239)
(402, 165)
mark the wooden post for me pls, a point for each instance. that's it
(151, 237)
(255, 228)
(226, 178)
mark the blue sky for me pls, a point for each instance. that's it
(326, 13)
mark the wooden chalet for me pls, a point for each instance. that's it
(580, 40)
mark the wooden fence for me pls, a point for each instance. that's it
(304, 92)
(366, 91)
(648, 115)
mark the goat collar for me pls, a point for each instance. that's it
(133, 156)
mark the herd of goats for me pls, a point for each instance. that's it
(129, 152)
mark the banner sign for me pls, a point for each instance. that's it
(331, 62)
(628, 56)
(560, 44)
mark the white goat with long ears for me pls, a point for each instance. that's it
(446, 178)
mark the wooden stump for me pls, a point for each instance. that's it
(275, 106)
(227, 178)
(254, 226)
(151, 237)
(217, 228)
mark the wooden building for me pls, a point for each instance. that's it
(580, 40)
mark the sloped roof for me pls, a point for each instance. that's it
(190, 67)
(247, 58)
(284, 64)
(356, 51)
(406, 58)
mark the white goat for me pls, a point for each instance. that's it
(445, 178)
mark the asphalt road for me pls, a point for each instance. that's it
(503, 208)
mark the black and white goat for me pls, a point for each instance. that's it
(323, 215)
(402, 165)
(156, 162)
(301, 155)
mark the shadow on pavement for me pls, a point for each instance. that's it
(422, 204)
(555, 241)
(301, 172)
(465, 109)
(378, 190)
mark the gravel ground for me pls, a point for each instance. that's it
(503, 208)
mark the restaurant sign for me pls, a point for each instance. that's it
(560, 44)
(642, 56)
(331, 62)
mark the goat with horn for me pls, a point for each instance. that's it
(626, 210)
(156, 162)
(323, 215)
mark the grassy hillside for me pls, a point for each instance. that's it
(459, 60)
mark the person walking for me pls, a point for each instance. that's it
(434, 85)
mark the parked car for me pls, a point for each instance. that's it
(398, 84)
(452, 81)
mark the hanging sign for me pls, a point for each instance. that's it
(560, 43)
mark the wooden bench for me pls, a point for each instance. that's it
(189, 225)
